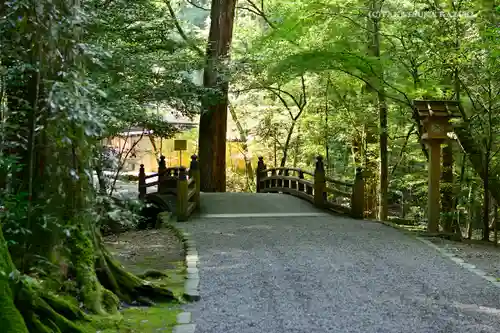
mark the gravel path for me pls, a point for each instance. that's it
(327, 274)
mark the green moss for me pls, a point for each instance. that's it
(174, 279)
(110, 301)
(10, 317)
(82, 257)
(65, 306)
(160, 318)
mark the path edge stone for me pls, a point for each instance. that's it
(184, 323)
(192, 283)
(460, 262)
(184, 320)
(444, 253)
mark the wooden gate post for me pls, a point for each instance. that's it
(194, 172)
(358, 195)
(319, 183)
(142, 183)
(162, 174)
(182, 195)
(261, 166)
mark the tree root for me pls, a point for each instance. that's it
(128, 287)
(46, 313)
(152, 274)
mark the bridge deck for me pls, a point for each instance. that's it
(325, 273)
(252, 203)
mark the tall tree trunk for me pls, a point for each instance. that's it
(471, 210)
(447, 201)
(297, 149)
(486, 197)
(495, 223)
(286, 146)
(376, 6)
(326, 132)
(213, 120)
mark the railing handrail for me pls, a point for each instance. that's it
(306, 172)
(156, 174)
(315, 190)
(150, 184)
(310, 173)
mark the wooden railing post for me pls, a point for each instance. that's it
(162, 168)
(286, 182)
(319, 183)
(261, 166)
(358, 196)
(194, 172)
(273, 180)
(301, 186)
(142, 183)
(182, 195)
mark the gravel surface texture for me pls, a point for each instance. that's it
(327, 274)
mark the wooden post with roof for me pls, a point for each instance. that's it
(435, 117)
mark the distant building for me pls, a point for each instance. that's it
(143, 148)
(146, 149)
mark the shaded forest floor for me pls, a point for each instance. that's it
(140, 251)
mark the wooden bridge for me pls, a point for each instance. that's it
(178, 189)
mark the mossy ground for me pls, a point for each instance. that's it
(140, 251)
(160, 318)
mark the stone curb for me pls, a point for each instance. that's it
(184, 323)
(191, 285)
(389, 224)
(457, 260)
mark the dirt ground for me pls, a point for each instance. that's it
(484, 256)
(138, 251)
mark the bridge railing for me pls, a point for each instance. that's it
(322, 191)
(179, 181)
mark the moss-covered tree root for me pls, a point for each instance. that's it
(128, 287)
(45, 313)
(24, 308)
(103, 281)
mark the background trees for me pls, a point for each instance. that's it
(73, 73)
